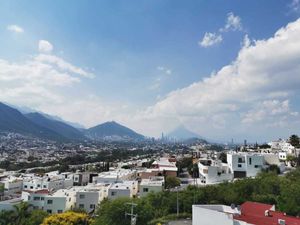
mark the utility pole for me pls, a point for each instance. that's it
(133, 217)
(177, 203)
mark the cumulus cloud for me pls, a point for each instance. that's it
(45, 46)
(38, 79)
(264, 71)
(210, 39)
(233, 23)
(15, 28)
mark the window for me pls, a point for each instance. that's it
(81, 196)
(113, 193)
(81, 206)
(49, 202)
(42, 198)
(38, 185)
(36, 198)
(250, 161)
(25, 186)
(92, 206)
(241, 160)
(257, 166)
(49, 211)
(239, 165)
(145, 189)
(31, 187)
(59, 211)
(45, 186)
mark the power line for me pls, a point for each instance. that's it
(133, 217)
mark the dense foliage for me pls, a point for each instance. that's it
(268, 187)
(67, 218)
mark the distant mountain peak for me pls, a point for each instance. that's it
(182, 133)
(111, 130)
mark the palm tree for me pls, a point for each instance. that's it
(21, 213)
(7, 217)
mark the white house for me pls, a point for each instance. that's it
(153, 184)
(114, 176)
(47, 182)
(12, 185)
(213, 171)
(124, 189)
(249, 213)
(90, 196)
(57, 202)
(244, 164)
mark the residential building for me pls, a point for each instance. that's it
(124, 189)
(244, 164)
(153, 184)
(213, 171)
(89, 197)
(249, 213)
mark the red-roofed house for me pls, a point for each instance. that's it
(250, 213)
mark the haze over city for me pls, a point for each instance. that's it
(223, 69)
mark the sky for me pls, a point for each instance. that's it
(223, 69)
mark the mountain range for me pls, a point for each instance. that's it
(41, 125)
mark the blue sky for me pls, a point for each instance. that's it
(126, 60)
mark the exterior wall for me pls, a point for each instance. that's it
(35, 199)
(114, 193)
(58, 204)
(143, 192)
(38, 184)
(203, 216)
(87, 200)
(9, 204)
(13, 186)
(214, 174)
(249, 163)
(81, 179)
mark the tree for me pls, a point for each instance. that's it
(36, 217)
(172, 182)
(21, 213)
(69, 218)
(294, 140)
(223, 157)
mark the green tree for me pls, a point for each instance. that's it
(172, 182)
(223, 157)
(21, 213)
(36, 217)
(294, 140)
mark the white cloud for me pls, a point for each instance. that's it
(62, 64)
(164, 70)
(15, 28)
(45, 46)
(233, 23)
(295, 5)
(210, 39)
(38, 80)
(262, 71)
